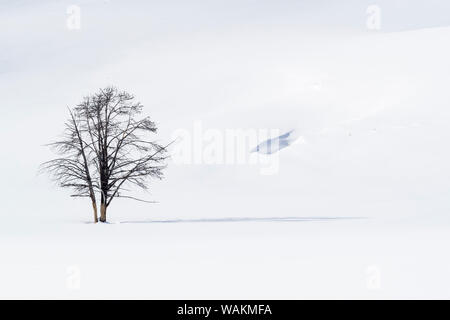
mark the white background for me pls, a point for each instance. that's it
(372, 107)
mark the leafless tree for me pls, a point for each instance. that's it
(106, 150)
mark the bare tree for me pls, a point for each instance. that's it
(106, 150)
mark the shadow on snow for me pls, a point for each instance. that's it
(244, 219)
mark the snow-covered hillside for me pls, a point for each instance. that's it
(357, 207)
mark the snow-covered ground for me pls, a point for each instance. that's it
(358, 207)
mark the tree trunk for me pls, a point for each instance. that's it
(94, 207)
(103, 212)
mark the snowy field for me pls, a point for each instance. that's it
(257, 260)
(358, 207)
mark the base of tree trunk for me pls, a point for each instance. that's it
(94, 207)
(103, 213)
